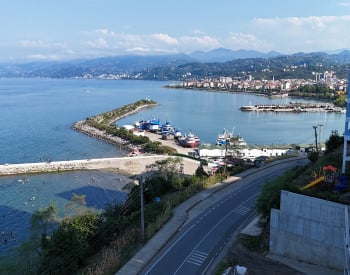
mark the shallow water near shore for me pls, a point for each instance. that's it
(23, 194)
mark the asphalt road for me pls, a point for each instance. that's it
(194, 248)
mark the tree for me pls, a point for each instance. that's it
(43, 220)
(334, 142)
(69, 244)
(63, 253)
(340, 101)
(313, 156)
(169, 166)
(200, 172)
(77, 204)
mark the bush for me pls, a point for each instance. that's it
(313, 156)
(64, 253)
(334, 142)
(270, 194)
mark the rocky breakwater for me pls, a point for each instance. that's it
(83, 127)
(102, 126)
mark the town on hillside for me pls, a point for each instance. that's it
(274, 87)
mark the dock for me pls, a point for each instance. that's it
(295, 107)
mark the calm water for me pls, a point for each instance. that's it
(36, 116)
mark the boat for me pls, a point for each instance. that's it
(230, 139)
(248, 108)
(153, 125)
(224, 137)
(190, 140)
(167, 128)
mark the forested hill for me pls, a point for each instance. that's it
(297, 66)
(182, 66)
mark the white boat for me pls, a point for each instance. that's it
(224, 137)
(248, 108)
(230, 139)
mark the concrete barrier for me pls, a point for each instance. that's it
(134, 164)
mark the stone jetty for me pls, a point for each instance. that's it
(82, 127)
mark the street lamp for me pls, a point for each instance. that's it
(140, 182)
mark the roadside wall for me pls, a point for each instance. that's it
(309, 229)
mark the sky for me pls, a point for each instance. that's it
(54, 30)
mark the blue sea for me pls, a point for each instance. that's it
(36, 116)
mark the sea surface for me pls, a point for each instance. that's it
(36, 116)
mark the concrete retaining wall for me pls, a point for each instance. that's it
(309, 229)
(131, 164)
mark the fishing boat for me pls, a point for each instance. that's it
(224, 137)
(167, 128)
(230, 139)
(190, 140)
(152, 125)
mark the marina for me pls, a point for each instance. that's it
(166, 130)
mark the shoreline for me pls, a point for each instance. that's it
(135, 165)
(219, 90)
(83, 127)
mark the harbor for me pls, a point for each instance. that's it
(295, 107)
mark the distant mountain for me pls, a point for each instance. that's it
(223, 55)
(199, 64)
(94, 67)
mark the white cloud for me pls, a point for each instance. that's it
(314, 22)
(165, 38)
(238, 40)
(198, 32)
(312, 33)
(39, 44)
(42, 57)
(98, 43)
(105, 32)
(206, 42)
(344, 4)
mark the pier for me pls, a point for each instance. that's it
(123, 165)
(295, 107)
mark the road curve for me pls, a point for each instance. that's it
(196, 245)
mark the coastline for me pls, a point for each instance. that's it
(83, 127)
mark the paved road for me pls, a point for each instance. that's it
(195, 246)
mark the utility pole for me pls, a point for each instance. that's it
(315, 128)
(225, 168)
(139, 181)
(320, 135)
(142, 212)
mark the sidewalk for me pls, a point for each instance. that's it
(182, 214)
